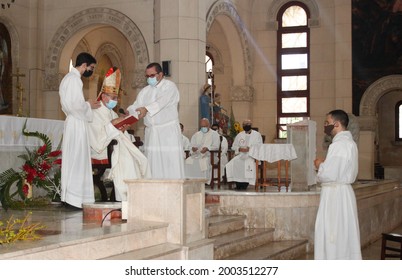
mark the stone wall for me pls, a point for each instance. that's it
(293, 214)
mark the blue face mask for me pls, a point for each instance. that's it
(111, 104)
(204, 129)
(152, 81)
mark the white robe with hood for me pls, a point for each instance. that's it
(337, 234)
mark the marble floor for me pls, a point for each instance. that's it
(65, 225)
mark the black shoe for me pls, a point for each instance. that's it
(71, 207)
(241, 186)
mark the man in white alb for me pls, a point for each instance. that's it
(337, 234)
(241, 168)
(158, 103)
(198, 164)
(76, 169)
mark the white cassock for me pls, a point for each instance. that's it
(241, 168)
(199, 165)
(337, 234)
(163, 144)
(76, 169)
(128, 162)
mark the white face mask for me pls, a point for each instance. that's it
(204, 129)
(111, 104)
(152, 81)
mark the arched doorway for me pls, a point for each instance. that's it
(378, 120)
(79, 33)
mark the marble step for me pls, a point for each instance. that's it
(167, 251)
(91, 243)
(221, 224)
(275, 250)
(200, 249)
(232, 243)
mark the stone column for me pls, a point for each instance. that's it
(367, 140)
(180, 37)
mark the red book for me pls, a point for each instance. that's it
(130, 119)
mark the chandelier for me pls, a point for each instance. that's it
(6, 4)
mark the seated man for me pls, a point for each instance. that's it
(128, 162)
(241, 169)
(224, 149)
(198, 164)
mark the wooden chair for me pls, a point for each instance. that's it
(98, 169)
(393, 250)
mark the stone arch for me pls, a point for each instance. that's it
(276, 5)
(226, 8)
(112, 52)
(368, 104)
(91, 17)
(376, 90)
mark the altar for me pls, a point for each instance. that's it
(13, 143)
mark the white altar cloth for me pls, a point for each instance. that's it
(13, 142)
(11, 137)
(272, 152)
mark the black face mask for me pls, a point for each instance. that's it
(87, 73)
(328, 129)
(247, 127)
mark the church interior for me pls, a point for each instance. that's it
(282, 64)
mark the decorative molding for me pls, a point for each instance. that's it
(139, 81)
(376, 90)
(242, 93)
(87, 18)
(111, 51)
(273, 10)
(226, 7)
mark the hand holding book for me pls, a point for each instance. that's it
(124, 122)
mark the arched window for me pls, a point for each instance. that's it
(398, 121)
(293, 66)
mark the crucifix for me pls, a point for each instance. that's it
(20, 91)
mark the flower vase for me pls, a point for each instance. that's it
(27, 189)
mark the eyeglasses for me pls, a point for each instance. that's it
(151, 76)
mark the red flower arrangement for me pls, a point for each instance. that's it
(42, 168)
(39, 164)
